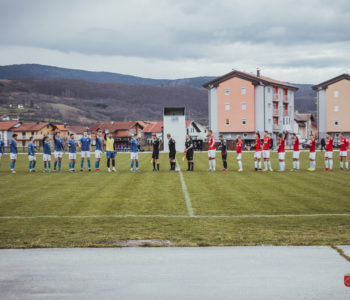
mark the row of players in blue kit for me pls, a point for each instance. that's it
(59, 149)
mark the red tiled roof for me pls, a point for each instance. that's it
(7, 125)
(154, 127)
(302, 117)
(125, 125)
(188, 123)
(76, 129)
(94, 127)
(62, 127)
(250, 77)
(31, 126)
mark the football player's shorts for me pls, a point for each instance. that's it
(172, 155)
(211, 153)
(72, 155)
(281, 155)
(266, 153)
(328, 154)
(13, 155)
(31, 157)
(343, 153)
(110, 154)
(189, 155)
(98, 153)
(224, 155)
(134, 155)
(296, 154)
(239, 156)
(85, 154)
(46, 157)
(58, 154)
(257, 155)
(312, 155)
(155, 155)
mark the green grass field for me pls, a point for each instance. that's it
(100, 209)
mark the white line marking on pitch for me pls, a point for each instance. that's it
(187, 196)
(175, 216)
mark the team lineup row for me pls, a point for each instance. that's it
(105, 143)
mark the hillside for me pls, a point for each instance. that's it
(83, 97)
(45, 72)
(82, 102)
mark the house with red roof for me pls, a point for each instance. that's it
(37, 130)
(78, 131)
(242, 103)
(6, 130)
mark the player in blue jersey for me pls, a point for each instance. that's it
(13, 152)
(85, 146)
(72, 152)
(31, 154)
(47, 154)
(134, 149)
(59, 149)
(2, 147)
(98, 150)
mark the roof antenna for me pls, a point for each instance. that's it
(258, 71)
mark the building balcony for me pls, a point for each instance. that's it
(276, 97)
(286, 113)
(275, 112)
(285, 98)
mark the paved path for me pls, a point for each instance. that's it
(265, 272)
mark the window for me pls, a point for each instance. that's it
(336, 108)
(244, 121)
(269, 121)
(244, 106)
(227, 106)
(269, 105)
(245, 135)
(243, 91)
(227, 91)
(268, 90)
(336, 93)
(336, 123)
(227, 122)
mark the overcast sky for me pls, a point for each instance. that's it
(304, 41)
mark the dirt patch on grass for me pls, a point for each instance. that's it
(144, 243)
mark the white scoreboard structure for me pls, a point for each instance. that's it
(175, 124)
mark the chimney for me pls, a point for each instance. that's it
(258, 72)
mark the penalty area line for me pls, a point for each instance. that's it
(184, 189)
(176, 216)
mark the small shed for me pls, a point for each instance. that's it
(174, 122)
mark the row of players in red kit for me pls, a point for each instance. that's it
(263, 152)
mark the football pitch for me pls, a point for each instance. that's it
(197, 208)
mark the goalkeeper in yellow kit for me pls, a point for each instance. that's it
(110, 151)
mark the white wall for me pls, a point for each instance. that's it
(259, 108)
(176, 126)
(213, 110)
(322, 114)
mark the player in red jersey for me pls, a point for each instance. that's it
(266, 151)
(328, 156)
(239, 147)
(296, 153)
(211, 151)
(312, 154)
(281, 150)
(257, 154)
(344, 147)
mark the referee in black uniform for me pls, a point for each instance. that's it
(155, 153)
(189, 152)
(223, 148)
(172, 152)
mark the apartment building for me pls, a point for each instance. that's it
(333, 106)
(243, 103)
